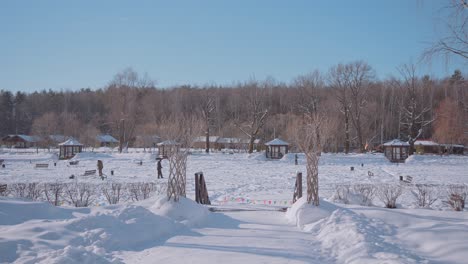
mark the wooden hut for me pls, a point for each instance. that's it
(21, 141)
(167, 147)
(69, 148)
(276, 148)
(107, 141)
(396, 150)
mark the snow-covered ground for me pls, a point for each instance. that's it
(154, 230)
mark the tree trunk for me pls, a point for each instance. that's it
(346, 131)
(251, 144)
(207, 142)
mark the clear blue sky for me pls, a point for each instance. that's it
(79, 44)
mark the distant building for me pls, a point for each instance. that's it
(21, 141)
(276, 148)
(237, 143)
(431, 147)
(106, 140)
(396, 150)
(69, 148)
(200, 142)
(167, 147)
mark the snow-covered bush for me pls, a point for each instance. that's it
(79, 194)
(53, 192)
(342, 193)
(112, 192)
(32, 191)
(425, 195)
(365, 193)
(143, 190)
(18, 190)
(456, 197)
(389, 193)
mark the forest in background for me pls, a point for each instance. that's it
(362, 111)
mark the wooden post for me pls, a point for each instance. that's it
(197, 188)
(298, 187)
(201, 193)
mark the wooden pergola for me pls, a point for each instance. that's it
(70, 148)
(167, 147)
(276, 148)
(396, 150)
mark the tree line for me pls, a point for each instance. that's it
(362, 111)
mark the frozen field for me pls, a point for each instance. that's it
(157, 231)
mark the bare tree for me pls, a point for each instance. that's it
(425, 195)
(208, 108)
(340, 80)
(412, 111)
(256, 111)
(455, 27)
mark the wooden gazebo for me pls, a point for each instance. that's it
(69, 148)
(396, 150)
(276, 148)
(167, 147)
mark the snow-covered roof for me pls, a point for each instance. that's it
(277, 142)
(212, 139)
(26, 138)
(453, 145)
(396, 142)
(168, 143)
(106, 139)
(425, 143)
(71, 142)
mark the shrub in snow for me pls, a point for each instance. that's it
(79, 194)
(365, 193)
(18, 190)
(53, 192)
(112, 192)
(425, 195)
(34, 191)
(144, 190)
(456, 197)
(341, 193)
(389, 194)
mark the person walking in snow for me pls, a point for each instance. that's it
(160, 176)
(100, 167)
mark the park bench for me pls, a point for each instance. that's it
(408, 179)
(89, 173)
(42, 165)
(74, 162)
(3, 188)
(370, 173)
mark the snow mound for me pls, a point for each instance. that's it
(353, 238)
(185, 211)
(14, 211)
(301, 213)
(36, 232)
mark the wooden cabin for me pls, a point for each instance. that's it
(396, 150)
(69, 148)
(276, 148)
(167, 147)
(21, 141)
(106, 141)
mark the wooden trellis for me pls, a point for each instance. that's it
(201, 193)
(177, 175)
(298, 187)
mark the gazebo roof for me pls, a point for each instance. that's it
(277, 142)
(397, 142)
(168, 143)
(71, 142)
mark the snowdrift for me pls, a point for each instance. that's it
(41, 233)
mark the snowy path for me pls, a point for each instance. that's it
(239, 237)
